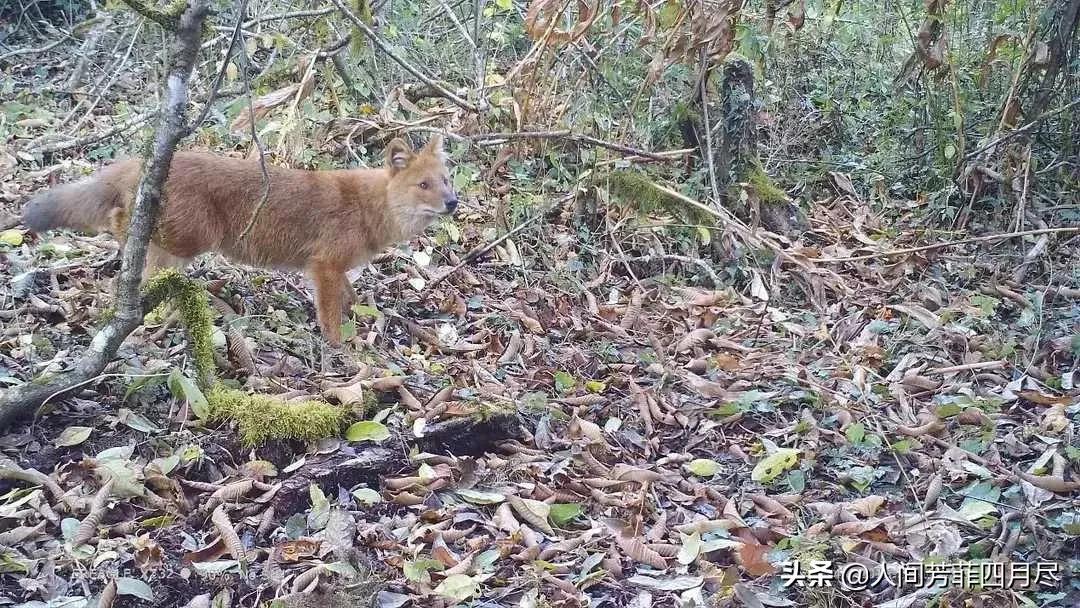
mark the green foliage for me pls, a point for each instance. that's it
(636, 191)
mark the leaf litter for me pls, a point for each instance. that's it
(677, 443)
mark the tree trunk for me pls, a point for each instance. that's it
(22, 400)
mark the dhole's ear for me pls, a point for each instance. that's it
(435, 146)
(398, 154)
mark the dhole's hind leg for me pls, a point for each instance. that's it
(330, 287)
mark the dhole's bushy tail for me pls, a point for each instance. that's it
(85, 206)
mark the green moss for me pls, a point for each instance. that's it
(167, 17)
(633, 188)
(766, 189)
(108, 314)
(261, 418)
(190, 298)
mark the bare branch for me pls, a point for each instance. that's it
(385, 48)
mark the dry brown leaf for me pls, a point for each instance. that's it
(108, 595)
(640, 552)
(88, 527)
(694, 338)
(752, 557)
(208, 553)
(705, 388)
(867, 506)
(532, 511)
(228, 535)
(233, 491)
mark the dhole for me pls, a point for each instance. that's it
(324, 222)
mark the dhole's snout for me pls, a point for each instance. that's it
(451, 204)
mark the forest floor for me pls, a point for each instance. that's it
(623, 429)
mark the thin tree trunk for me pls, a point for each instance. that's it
(22, 400)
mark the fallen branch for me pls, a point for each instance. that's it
(369, 466)
(968, 367)
(700, 263)
(22, 400)
(93, 137)
(40, 49)
(1024, 129)
(494, 139)
(976, 239)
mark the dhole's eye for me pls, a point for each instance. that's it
(424, 185)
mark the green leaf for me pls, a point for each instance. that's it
(458, 587)
(987, 305)
(12, 237)
(362, 310)
(183, 387)
(948, 410)
(137, 421)
(564, 382)
(504, 5)
(366, 496)
(133, 586)
(73, 435)
(486, 559)
(68, 527)
(348, 330)
(980, 501)
(166, 464)
(855, 433)
(217, 567)
(417, 571)
(703, 467)
(368, 430)
(320, 509)
(564, 513)
(775, 464)
(796, 479)
(595, 386)
(902, 447)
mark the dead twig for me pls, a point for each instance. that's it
(494, 139)
(258, 144)
(408, 67)
(93, 137)
(34, 51)
(241, 10)
(976, 239)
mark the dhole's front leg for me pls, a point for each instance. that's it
(329, 296)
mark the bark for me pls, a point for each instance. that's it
(735, 146)
(22, 400)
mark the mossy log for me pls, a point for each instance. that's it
(347, 468)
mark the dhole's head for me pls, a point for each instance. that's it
(419, 189)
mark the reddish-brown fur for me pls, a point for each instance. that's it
(324, 222)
